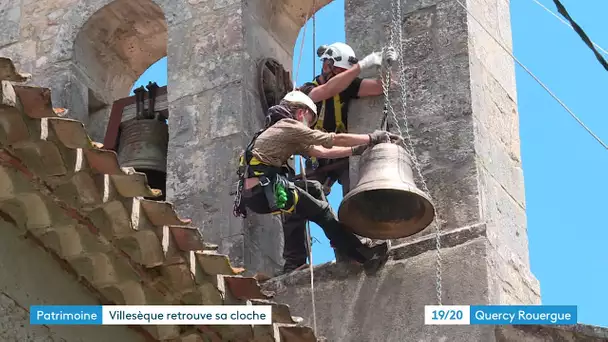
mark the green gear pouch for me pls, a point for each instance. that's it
(275, 190)
(280, 191)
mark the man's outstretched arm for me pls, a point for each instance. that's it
(335, 85)
(340, 82)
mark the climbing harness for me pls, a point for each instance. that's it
(337, 102)
(340, 126)
(272, 180)
(407, 142)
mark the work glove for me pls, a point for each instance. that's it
(396, 139)
(379, 137)
(358, 150)
(373, 59)
(390, 55)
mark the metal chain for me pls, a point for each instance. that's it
(408, 143)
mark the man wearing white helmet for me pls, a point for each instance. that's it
(332, 91)
(265, 189)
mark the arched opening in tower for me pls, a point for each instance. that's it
(113, 49)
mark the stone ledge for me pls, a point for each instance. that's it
(335, 271)
(571, 333)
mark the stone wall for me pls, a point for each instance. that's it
(542, 333)
(389, 306)
(29, 276)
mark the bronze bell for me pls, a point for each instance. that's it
(385, 203)
(143, 144)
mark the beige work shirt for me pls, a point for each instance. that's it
(286, 138)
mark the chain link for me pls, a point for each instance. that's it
(408, 143)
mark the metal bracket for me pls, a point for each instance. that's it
(273, 82)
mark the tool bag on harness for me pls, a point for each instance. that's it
(272, 181)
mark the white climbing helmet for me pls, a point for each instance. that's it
(342, 55)
(299, 97)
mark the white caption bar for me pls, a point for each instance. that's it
(187, 314)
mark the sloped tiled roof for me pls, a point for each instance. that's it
(72, 198)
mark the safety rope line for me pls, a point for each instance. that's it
(565, 23)
(309, 247)
(302, 44)
(303, 167)
(407, 142)
(314, 42)
(536, 78)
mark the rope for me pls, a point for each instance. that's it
(303, 167)
(562, 10)
(567, 24)
(536, 79)
(407, 142)
(314, 42)
(309, 248)
(302, 43)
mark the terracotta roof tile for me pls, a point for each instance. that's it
(74, 199)
(8, 71)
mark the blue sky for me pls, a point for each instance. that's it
(564, 167)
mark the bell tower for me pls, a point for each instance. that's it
(462, 117)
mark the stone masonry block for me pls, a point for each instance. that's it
(358, 33)
(510, 281)
(10, 18)
(504, 166)
(205, 58)
(419, 48)
(13, 317)
(263, 240)
(209, 115)
(505, 217)
(254, 119)
(450, 28)
(234, 246)
(207, 174)
(484, 47)
(497, 134)
(388, 306)
(500, 117)
(261, 40)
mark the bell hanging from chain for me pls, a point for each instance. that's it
(385, 203)
(143, 140)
